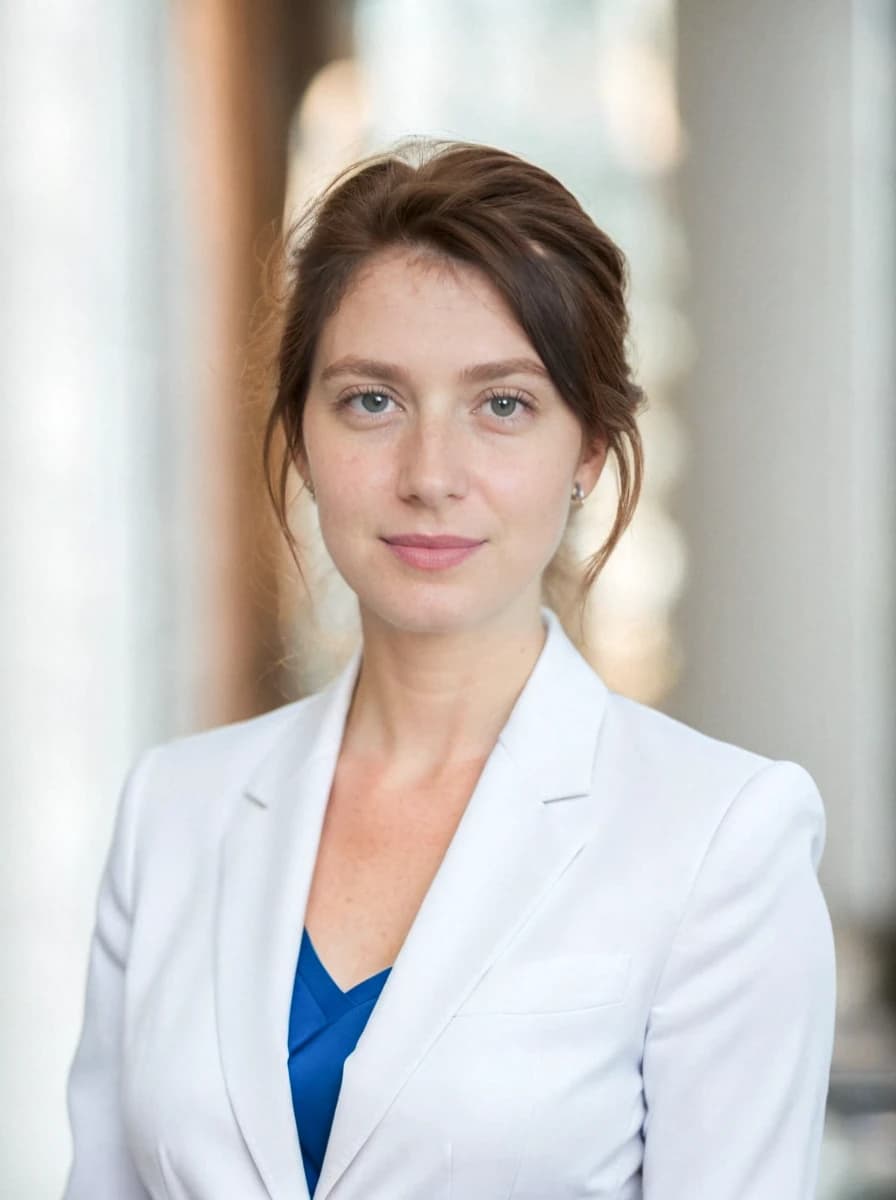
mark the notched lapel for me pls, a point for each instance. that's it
(267, 862)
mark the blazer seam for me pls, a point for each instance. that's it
(685, 906)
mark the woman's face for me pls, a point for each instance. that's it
(408, 430)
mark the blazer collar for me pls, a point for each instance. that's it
(510, 846)
(550, 732)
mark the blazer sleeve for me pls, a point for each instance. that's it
(739, 1039)
(101, 1163)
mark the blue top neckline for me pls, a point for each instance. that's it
(327, 990)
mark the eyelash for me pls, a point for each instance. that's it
(509, 395)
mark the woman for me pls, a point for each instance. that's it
(538, 940)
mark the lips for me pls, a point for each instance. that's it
(436, 542)
(431, 557)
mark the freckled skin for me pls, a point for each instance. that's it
(446, 652)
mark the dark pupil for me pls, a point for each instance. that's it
(503, 400)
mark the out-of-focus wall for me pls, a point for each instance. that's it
(789, 622)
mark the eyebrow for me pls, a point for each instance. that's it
(477, 373)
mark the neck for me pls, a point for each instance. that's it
(426, 705)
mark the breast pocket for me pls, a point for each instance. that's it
(559, 983)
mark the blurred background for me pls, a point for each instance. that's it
(743, 157)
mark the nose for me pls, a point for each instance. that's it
(433, 459)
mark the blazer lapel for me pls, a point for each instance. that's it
(510, 846)
(267, 864)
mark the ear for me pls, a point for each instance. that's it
(300, 464)
(591, 463)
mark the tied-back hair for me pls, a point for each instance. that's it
(562, 276)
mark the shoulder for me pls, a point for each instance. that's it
(723, 843)
(224, 751)
(187, 785)
(676, 786)
(666, 746)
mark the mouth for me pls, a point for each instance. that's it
(441, 541)
(433, 558)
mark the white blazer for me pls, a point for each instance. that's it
(620, 983)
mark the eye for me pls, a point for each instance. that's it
(363, 393)
(502, 399)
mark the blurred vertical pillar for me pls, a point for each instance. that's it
(96, 589)
(789, 623)
(244, 67)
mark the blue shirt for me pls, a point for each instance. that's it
(325, 1024)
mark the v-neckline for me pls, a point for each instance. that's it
(358, 992)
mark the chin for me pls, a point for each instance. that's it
(422, 609)
(427, 609)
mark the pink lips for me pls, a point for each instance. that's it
(442, 541)
(431, 553)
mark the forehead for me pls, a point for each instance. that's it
(402, 294)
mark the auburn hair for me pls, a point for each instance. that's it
(562, 276)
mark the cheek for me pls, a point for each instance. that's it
(350, 483)
(353, 503)
(532, 500)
